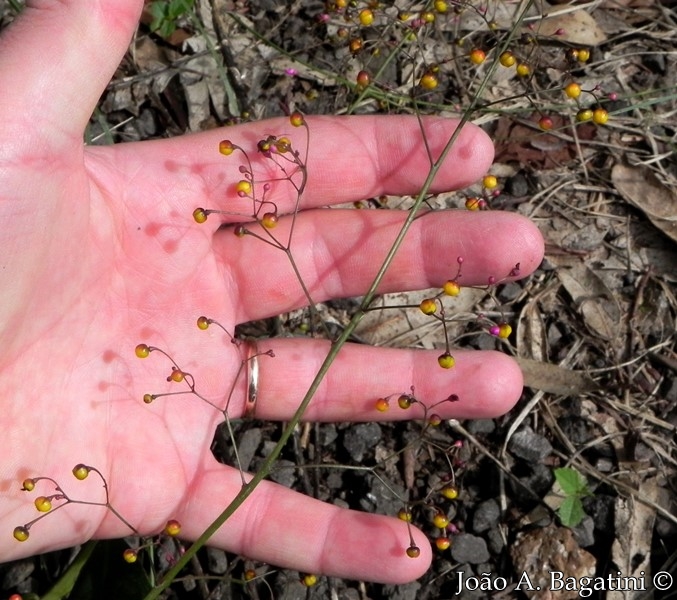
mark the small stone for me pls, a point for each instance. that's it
(360, 438)
(487, 515)
(529, 445)
(468, 548)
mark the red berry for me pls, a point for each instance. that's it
(545, 123)
(443, 542)
(363, 79)
(477, 56)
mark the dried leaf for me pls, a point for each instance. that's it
(595, 301)
(640, 187)
(575, 27)
(531, 336)
(555, 379)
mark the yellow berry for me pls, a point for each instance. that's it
(226, 147)
(441, 6)
(80, 471)
(583, 55)
(523, 70)
(269, 220)
(440, 520)
(427, 17)
(200, 215)
(504, 331)
(249, 575)
(449, 491)
(382, 405)
(148, 398)
(28, 485)
(446, 360)
(177, 375)
(366, 17)
(309, 580)
(173, 527)
(43, 504)
(243, 187)
(600, 116)
(405, 401)
(489, 182)
(507, 59)
(434, 420)
(451, 288)
(585, 114)
(130, 555)
(20, 533)
(429, 81)
(404, 514)
(413, 551)
(477, 56)
(142, 351)
(283, 144)
(573, 90)
(428, 306)
(202, 323)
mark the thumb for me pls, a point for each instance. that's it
(55, 60)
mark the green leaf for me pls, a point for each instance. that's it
(571, 512)
(571, 482)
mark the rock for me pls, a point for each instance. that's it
(584, 532)
(360, 438)
(217, 560)
(468, 548)
(529, 445)
(481, 426)
(284, 472)
(539, 552)
(249, 443)
(486, 516)
(407, 591)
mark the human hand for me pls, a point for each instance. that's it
(99, 252)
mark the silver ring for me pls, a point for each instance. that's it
(252, 378)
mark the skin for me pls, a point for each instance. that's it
(99, 252)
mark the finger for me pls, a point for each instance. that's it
(338, 254)
(283, 528)
(55, 60)
(485, 384)
(349, 158)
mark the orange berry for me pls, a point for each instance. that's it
(573, 90)
(20, 533)
(443, 543)
(363, 79)
(545, 123)
(446, 360)
(249, 574)
(177, 375)
(600, 116)
(355, 45)
(507, 59)
(142, 351)
(451, 288)
(226, 147)
(523, 70)
(200, 215)
(269, 220)
(366, 17)
(173, 527)
(413, 551)
(477, 56)
(203, 323)
(428, 306)
(429, 81)
(80, 471)
(43, 504)
(473, 204)
(382, 405)
(297, 119)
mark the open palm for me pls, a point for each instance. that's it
(99, 252)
